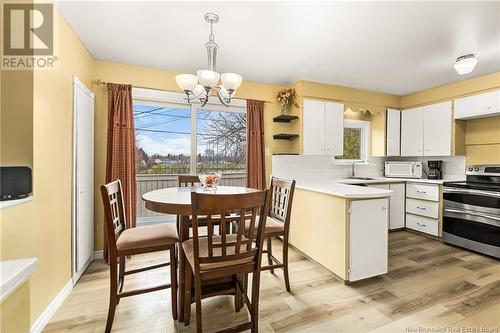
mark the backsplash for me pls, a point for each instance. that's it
(310, 166)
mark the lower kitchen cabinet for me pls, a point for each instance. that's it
(368, 249)
(396, 204)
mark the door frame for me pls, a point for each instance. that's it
(75, 275)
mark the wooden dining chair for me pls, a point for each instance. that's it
(228, 258)
(278, 224)
(123, 241)
(188, 180)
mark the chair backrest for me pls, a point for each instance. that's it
(188, 180)
(281, 200)
(220, 210)
(114, 209)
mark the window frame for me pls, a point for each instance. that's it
(155, 97)
(365, 127)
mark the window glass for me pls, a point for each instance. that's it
(163, 139)
(352, 144)
(221, 141)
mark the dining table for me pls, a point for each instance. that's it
(177, 201)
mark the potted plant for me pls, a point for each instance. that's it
(286, 98)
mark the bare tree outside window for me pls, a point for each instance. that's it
(222, 141)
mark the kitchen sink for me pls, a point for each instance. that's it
(360, 178)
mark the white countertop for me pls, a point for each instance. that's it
(347, 188)
(14, 273)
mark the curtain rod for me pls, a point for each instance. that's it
(100, 82)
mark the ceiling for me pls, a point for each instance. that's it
(394, 47)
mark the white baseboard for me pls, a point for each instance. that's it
(98, 255)
(51, 309)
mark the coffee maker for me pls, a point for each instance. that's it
(435, 169)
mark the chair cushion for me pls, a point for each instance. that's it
(163, 234)
(272, 226)
(203, 246)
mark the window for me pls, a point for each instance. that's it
(356, 141)
(173, 137)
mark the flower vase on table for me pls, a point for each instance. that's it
(210, 181)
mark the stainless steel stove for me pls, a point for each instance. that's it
(471, 210)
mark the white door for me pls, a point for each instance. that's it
(368, 237)
(397, 206)
(412, 132)
(437, 129)
(83, 178)
(334, 128)
(393, 132)
(314, 118)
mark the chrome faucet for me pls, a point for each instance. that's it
(353, 171)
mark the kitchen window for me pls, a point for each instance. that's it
(356, 141)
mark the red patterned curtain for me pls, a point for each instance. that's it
(120, 155)
(255, 136)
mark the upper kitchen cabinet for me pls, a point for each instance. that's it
(427, 131)
(437, 129)
(393, 132)
(478, 106)
(323, 128)
(412, 132)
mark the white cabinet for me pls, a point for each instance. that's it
(478, 106)
(368, 238)
(393, 132)
(426, 131)
(437, 129)
(314, 120)
(334, 128)
(323, 132)
(412, 132)
(396, 204)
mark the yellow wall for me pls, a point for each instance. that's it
(15, 311)
(16, 134)
(42, 227)
(482, 136)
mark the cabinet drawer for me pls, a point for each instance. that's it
(422, 191)
(422, 224)
(422, 207)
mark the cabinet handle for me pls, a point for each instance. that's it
(422, 208)
(421, 224)
(423, 192)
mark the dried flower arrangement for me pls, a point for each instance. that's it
(286, 98)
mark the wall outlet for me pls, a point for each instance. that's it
(268, 151)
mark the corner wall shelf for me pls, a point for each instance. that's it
(285, 136)
(284, 118)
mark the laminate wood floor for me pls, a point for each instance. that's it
(429, 285)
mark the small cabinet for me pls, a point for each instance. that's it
(393, 132)
(368, 237)
(323, 128)
(412, 132)
(422, 207)
(427, 131)
(478, 106)
(396, 204)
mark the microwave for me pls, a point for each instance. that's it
(405, 169)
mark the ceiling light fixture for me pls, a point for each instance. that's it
(200, 86)
(465, 64)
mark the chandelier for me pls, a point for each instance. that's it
(200, 86)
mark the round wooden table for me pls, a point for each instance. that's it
(177, 201)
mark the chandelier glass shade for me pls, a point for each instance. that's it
(200, 86)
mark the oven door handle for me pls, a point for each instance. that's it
(469, 213)
(471, 191)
